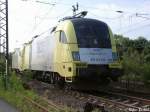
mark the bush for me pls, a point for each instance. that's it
(15, 94)
(27, 75)
(15, 83)
(131, 64)
(146, 73)
(135, 68)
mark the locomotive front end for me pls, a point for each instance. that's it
(97, 56)
(86, 51)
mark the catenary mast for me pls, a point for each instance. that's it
(4, 48)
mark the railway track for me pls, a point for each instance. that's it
(131, 87)
(47, 105)
(119, 102)
(36, 105)
(112, 102)
(86, 102)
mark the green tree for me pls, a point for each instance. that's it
(136, 56)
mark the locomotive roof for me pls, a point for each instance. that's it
(80, 20)
(85, 20)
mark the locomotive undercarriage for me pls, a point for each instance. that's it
(50, 77)
(88, 78)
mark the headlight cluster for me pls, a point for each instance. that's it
(115, 56)
(76, 56)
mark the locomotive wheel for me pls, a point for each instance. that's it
(52, 78)
(47, 77)
(39, 76)
(60, 82)
(56, 79)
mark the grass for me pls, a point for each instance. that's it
(15, 93)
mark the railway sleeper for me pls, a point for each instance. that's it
(134, 104)
(89, 107)
(126, 101)
(118, 100)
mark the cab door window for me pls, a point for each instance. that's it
(62, 38)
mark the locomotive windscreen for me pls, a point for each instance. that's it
(91, 33)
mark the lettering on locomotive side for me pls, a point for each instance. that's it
(96, 55)
(97, 59)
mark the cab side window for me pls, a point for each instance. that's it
(62, 37)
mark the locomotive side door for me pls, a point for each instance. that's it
(60, 51)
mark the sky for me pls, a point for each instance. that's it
(29, 17)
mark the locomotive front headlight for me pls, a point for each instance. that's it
(76, 56)
(115, 56)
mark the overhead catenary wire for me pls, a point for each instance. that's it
(48, 3)
(97, 16)
(134, 29)
(134, 24)
(44, 17)
(89, 7)
(59, 16)
(85, 6)
(48, 12)
(143, 17)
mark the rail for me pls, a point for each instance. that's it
(50, 104)
(109, 102)
(43, 109)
